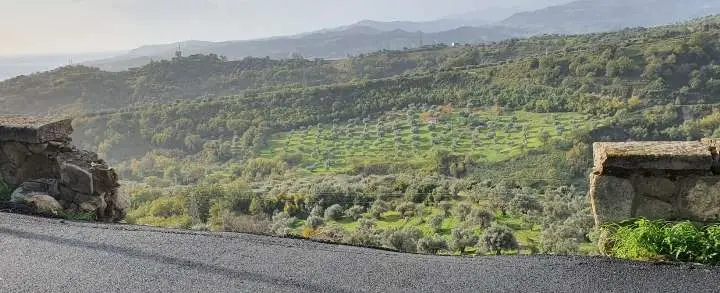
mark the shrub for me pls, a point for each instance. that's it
(167, 206)
(712, 245)
(500, 198)
(354, 212)
(334, 212)
(462, 210)
(364, 235)
(497, 237)
(420, 212)
(435, 223)
(5, 191)
(481, 217)
(640, 240)
(431, 244)
(684, 242)
(461, 239)
(199, 201)
(333, 234)
(166, 211)
(558, 238)
(406, 209)
(404, 240)
(254, 224)
(445, 206)
(522, 204)
(281, 224)
(317, 211)
(314, 222)
(566, 221)
(378, 208)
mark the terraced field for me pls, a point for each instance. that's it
(411, 134)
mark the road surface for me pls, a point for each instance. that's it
(50, 255)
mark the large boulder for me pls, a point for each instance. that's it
(34, 187)
(44, 204)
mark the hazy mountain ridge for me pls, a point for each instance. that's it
(366, 36)
(329, 44)
(587, 16)
(583, 16)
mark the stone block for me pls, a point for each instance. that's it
(15, 152)
(104, 179)
(702, 201)
(76, 178)
(611, 198)
(653, 209)
(37, 167)
(20, 195)
(655, 187)
(666, 156)
(34, 130)
(37, 148)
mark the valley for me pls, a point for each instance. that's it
(436, 150)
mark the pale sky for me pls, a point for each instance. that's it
(72, 26)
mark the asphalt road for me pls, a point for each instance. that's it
(50, 255)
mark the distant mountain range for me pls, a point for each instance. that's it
(328, 44)
(585, 16)
(582, 16)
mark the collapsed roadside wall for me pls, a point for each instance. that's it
(656, 180)
(38, 160)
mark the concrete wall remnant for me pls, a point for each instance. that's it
(656, 180)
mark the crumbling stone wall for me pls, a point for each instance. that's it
(656, 180)
(38, 160)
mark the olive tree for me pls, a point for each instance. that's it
(334, 212)
(461, 239)
(354, 212)
(431, 244)
(404, 240)
(435, 222)
(496, 238)
(481, 217)
(314, 222)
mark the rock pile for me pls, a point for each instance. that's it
(51, 175)
(656, 180)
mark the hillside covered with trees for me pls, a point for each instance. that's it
(469, 149)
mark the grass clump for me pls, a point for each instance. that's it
(662, 240)
(79, 216)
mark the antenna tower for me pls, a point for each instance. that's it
(178, 53)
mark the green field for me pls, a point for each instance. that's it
(409, 135)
